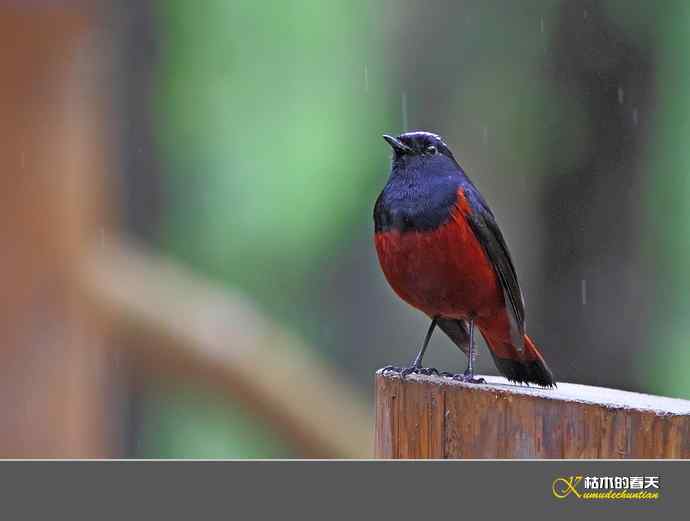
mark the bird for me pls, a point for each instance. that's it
(441, 250)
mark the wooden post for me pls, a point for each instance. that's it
(54, 372)
(434, 417)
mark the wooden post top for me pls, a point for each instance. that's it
(567, 392)
(437, 417)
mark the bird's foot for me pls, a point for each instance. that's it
(413, 369)
(463, 377)
(469, 379)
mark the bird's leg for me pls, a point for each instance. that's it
(468, 375)
(416, 365)
(471, 355)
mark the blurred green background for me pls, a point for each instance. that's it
(251, 149)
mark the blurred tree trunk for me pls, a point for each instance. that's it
(137, 49)
(595, 305)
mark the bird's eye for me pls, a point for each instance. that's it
(431, 149)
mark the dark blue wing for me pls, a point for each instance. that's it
(486, 230)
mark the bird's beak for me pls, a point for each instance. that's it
(396, 144)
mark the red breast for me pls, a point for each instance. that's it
(442, 272)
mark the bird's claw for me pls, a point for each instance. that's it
(405, 371)
(427, 371)
(463, 377)
(468, 378)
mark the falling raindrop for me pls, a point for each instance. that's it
(583, 288)
(485, 135)
(584, 14)
(541, 24)
(621, 95)
(635, 117)
(366, 79)
(403, 104)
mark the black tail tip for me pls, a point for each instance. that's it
(528, 372)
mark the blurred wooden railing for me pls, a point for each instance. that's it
(182, 325)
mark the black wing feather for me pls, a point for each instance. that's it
(457, 331)
(489, 235)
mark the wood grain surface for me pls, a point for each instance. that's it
(434, 417)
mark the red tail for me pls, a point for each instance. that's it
(527, 366)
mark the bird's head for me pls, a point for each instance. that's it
(422, 152)
(418, 144)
